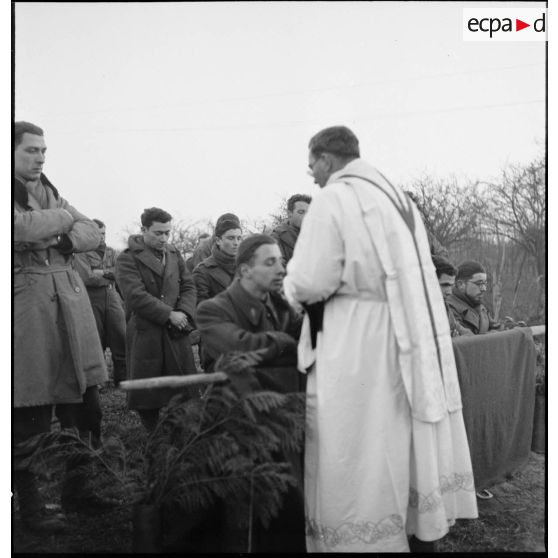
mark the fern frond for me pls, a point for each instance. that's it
(222, 446)
(265, 401)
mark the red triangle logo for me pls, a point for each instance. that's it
(519, 25)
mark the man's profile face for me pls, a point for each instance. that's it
(318, 169)
(29, 157)
(474, 287)
(103, 231)
(228, 242)
(267, 270)
(297, 214)
(446, 283)
(157, 235)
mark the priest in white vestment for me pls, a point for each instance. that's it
(386, 450)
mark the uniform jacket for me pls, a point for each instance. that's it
(236, 321)
(57, 352)
(286, 236)
(476, 319)
(202, 251)
(151, 291)
(210, 279)
(109, 259)
(456, 329)
(85, 263)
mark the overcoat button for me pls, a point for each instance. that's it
(77, 289)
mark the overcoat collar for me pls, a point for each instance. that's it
(288, 234)
(253, 308)
(247, 305)
(21, 195)
(217, 272)
(468, 313)
(148, 258)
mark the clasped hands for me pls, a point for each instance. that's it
(178, 319)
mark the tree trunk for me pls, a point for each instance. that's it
(497, 283)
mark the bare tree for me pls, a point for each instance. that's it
(450, 210)
(278, 216)
(185, 235)
(517, 211)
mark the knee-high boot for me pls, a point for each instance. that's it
(32, 510)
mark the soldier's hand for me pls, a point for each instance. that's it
(178, 319)
(52, 241)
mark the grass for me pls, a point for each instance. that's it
(513, 521)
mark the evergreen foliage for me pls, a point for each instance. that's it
(228, 444)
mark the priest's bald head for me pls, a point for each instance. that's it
(329, 151)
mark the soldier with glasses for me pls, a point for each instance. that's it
(466, 300)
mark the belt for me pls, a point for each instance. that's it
(92, 287)
(43, 269)
(362, 295)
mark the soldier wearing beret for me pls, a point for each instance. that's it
(214, 274)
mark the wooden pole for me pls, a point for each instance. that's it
(173, 381)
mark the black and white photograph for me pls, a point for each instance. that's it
(279, 277)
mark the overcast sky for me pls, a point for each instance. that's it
(203, 108)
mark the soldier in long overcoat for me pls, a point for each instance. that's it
(160, 300)
(57, 356)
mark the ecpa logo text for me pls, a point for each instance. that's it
(494, 25)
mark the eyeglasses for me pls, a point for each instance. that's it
(479, 284)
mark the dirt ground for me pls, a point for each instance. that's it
(512, 521)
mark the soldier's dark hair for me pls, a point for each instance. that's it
(297, 198)
(338, 140)
(443, 267)
(152, 214)
(248, 247)
(467, 269)
(99, 223)
(21, 128)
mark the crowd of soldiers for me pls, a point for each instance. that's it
(73, 298)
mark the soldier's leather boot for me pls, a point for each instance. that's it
(118, 371)
(32, 510)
